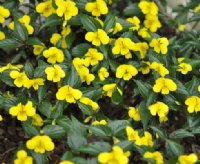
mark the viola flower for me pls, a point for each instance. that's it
(101, 122)
(117, 155)
(89, 102)
(97, 38)
(2, 35)
(152, 23)
(5, 13)
(142, 47)
(79, 64)
(54, 55)
(160, 45)
(22, 157)
(184, 68)
(148, 7)
(40, 144)
(37, 49)
(144, 33)
(66, 8)
(158, 67)
(86, 76)
(145, 68)
(97, 8)
(108, 89)
(92, 57)
(157, 156)
(54, 73)
(22, 111)
(123, 46)
(1, 118)
(69, 94)
(46, 8)
(164, 85)
(193, 103)
(134, 114)
(160, 109)
(10, 66)
(20, 79)
(188, 159)
(118, 27)
(197, 8)
(146, 140)
(35, 83)
(132, 134)
(37, 120)
(66, 162)
(135, 21)
(126, 72)
(103, 73)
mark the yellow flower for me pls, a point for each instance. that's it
(148, 7)
(160, 45)
(164, 85)
(144, 33)
(101, 122)
(89, 102)
(181, 27)
(26, 21)
(152, 23)
(79, 64)
(66, 8)
(5, 13)
(123, 46)
(157, 156)
(199, 88)
(103, 73)
(54, 55)
(132, 134)
(92, 57)
(126, 71)
(193, 103)
(142, 47)
(22, 111)
(2, 35)
(108, 89)
(184, 68)
(134, 114)
(86, 76)
(145, 67)
(97, 8)
(20, 79)
(69, 94)
(55, 38)
(66, 162)
(118, 27)
(1, 118)
(45, 8)
(160, 109)
(197, 8)
(146, 140)
(37, 49)
(23, 158)
(54, 73)
(135, 21)
(159, 68)
(35, 83)
(10, 66)
(37, 120)
(116, 156)
(40, 144)
(188, 159)
(97, 38)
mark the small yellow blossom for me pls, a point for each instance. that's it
(37, 49)
(116, 156)
(158, 67)
(20, 79)
(86, 76)
(23, 158)
(160, 45)
(97, 38)
(97, 8)
(66, 162)
(152, 23)
(144, 33)
(45, 8)
(132, 134)
(5, 13)
(164, 85)
(160, 109)
(79, 64)
(184, 68)
(22, 111)
(37, 120)
(101, 122)
(157, 156)
(145, 67)
(55, 38)
(89, 102)
(188, 159)
(54, 73)
(69, 94)
(54, 55)
(148, 7)
(2, 35)
(126, 71)
(66, 8)
(10, 66)
(35, 83)
(197, 8)
(134, 114)
(193, 103)
(92, 57)
(40, 144)
(181, 27)
(1, 118)
(108, 89)
(135, 21)
(103, 73)
(118, 27)
(142, 47)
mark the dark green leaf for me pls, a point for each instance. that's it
(54, 131)
(180, 133)
(45, 108)
(30, 129)
(109, 22)
(80, 50)
(175, 148)
(10, 44)
(20, 31)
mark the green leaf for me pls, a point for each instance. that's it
(125, 145)
(42, 92)
(89, 23)
(45, 108)
(144, 91)
(39, 70)
(109, 22)
(116, 96)
(80, 50)
(195, 17)
(192, 86)
(95, 148)
(86, 109)
(151, 98)
(54, 131)
(5, 77)
(64, 122)
(28, 68)
(33, 41)
(94, 93)
(20, 31)
(39, 158)
(174, 147)
(158, 131)
(10, 44)
(100, 130)
(180, 133)
(73, 78)
(117, 126)
(132, 10)
(30, 129)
